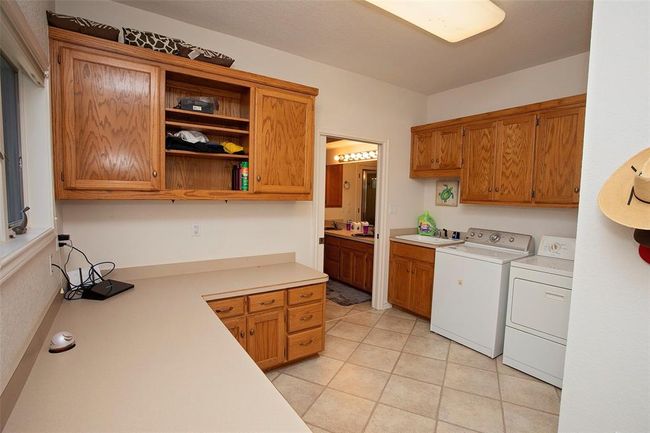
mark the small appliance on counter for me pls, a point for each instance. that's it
(537, 318)
(470, 288)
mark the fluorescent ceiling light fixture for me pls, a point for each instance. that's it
(451, 20)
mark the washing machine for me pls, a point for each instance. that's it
(537, 319)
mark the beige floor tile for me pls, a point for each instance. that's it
(375, 357)
(422, 329)
(536, 395)
(473, 380)
(272, 374)
(509, 371)
(338, 348)
(429, 346)
(387, 419)
(339, 412)
(360, 381)
(364, 306)
(395, 324)
(330, 324)
(523, 420)
(471, 411)
(466, 356)
(444, 427)
(315, 429)
(365, 318)
(333, 311)
(386, 339)
(349, 331)
(411, 395)
(396, 312)
(299, 393)
(418, 367)
(319, 370)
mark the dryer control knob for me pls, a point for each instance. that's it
(480, 235)
(512, 239)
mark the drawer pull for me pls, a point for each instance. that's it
(307, 317)
(555, 296)
(224, 310)
(271, 302)
(252, 331)
(307, 343)
(307, 295)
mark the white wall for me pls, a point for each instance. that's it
(565, 77)
(138, 233)
(607, 373)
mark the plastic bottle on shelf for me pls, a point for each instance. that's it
(244, 176)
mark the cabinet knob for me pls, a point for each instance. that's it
(496, 189)
(437, 161)
(258, 178)
(576, 189)
(490, 189)
(242, 334)
(432, 160)
(154, 173)
(252, 331)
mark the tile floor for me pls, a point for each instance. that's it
(385, 372)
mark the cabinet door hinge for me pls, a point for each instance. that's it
(462, 131)
(58, 58)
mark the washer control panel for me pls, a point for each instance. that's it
(555, 246)
(513, 241)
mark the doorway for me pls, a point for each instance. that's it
(350, 215)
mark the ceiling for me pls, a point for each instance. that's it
(359, 37)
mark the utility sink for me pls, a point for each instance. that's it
(428, 240)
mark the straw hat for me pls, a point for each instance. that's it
(625, 197)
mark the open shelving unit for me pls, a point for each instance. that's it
(187, 170)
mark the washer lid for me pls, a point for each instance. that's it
(549, 265)
(485, 253)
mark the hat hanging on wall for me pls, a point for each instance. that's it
(625, 199)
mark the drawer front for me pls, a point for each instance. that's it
(412, 251)
(304, 343)
(265, 301)
(306, 316)
(228, 307)
(301, 295)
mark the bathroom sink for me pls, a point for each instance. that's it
(428, 239)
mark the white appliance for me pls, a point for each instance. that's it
(538, 310)
(470, 288)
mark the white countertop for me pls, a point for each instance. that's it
(157, 359)
(348, 234)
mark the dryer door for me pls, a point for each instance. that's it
(539, 304)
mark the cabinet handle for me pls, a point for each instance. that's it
(271, 302)
(258, 178)
(154, 173)
(242, 334)
(307, 343)
(490, 189)
(437, 161)
(576, 189)
(225, 310)
(496, 189)
(252, 331)
(307, 295)
(306, 318)
(432, 160)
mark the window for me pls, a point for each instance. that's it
(11, 153)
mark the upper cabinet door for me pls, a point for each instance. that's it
(514, 161)
(558, 156)
(334, 185)
(479, 149)
(448, 148)
(284, 141)
(422, 159)
(111, 129)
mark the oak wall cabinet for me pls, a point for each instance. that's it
(278, 326)
(114, 104)
(410, 277)
(523, 156)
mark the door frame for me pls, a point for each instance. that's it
(382, 229)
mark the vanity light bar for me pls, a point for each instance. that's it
(357, 156)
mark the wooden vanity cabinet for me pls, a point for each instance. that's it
(410, 277)
(278, 326)
(332, 264)
(350, 262)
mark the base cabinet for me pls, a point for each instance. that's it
(350, 262)
(410, 277)
(278, 326)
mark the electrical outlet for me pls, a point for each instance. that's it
(196, 230)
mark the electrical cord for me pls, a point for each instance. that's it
(75, 291)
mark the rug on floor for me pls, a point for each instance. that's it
(345, 295)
